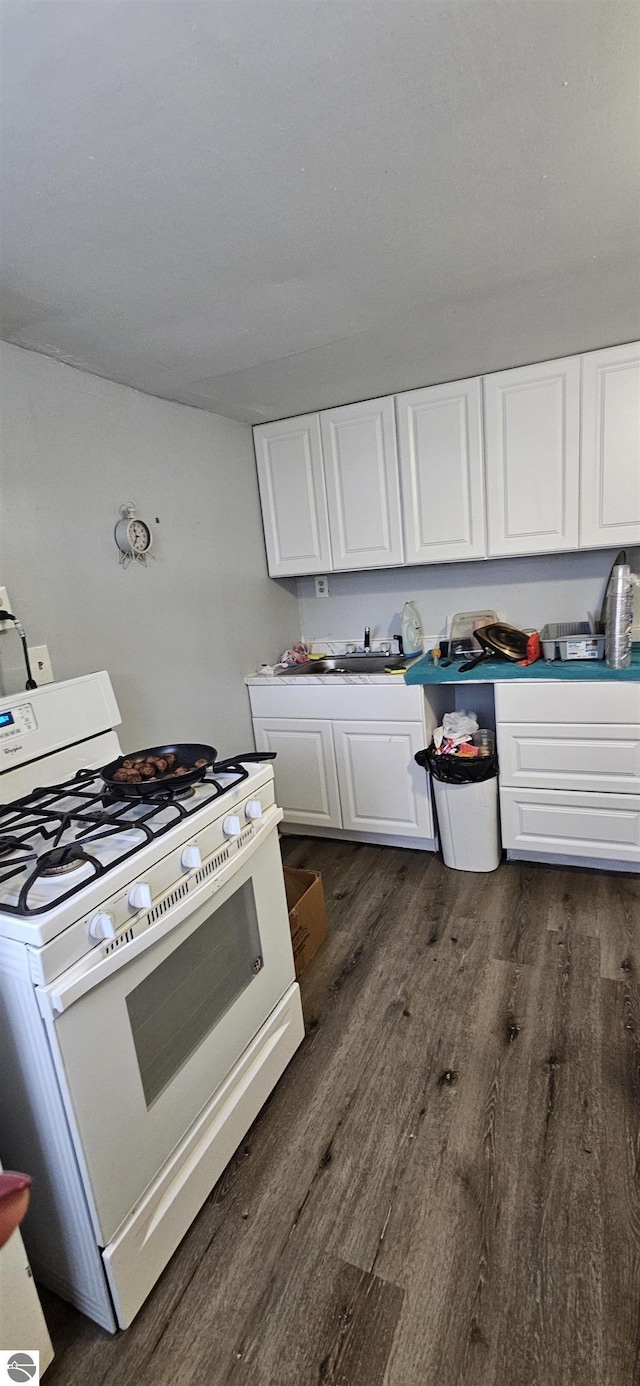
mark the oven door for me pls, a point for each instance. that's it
(144, 1039)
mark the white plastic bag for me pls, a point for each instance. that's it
(460, 723)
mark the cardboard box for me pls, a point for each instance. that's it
(307, 914)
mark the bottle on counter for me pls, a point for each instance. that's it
(619, 618)
(411, 630)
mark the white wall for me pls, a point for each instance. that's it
(527, 591)
(178, 637)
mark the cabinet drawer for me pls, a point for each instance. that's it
(603, 826)
(558, 756)
(334, 699)
(568, 702)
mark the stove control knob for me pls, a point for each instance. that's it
(102, 926)
(253, 809)
(140, 896)
(231, 825)
(191, 858)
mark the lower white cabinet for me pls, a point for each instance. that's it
(351, 771)
(305, 769)
(382, 790)
(570, 779)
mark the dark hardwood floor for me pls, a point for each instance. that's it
(444, 1189)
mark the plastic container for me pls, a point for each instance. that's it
(461, 637)
(411, 630)
(485, 740)
(619, 617)
(571, 640)
(635, 609)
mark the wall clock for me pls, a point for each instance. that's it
(133, 536)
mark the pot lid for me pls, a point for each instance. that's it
(506, 640)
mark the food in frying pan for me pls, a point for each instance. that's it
(154, 768)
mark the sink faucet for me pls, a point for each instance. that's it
(366, 644)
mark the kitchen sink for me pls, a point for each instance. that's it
(348, 664)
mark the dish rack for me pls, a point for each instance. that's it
(571, 640)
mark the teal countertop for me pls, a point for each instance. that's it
(503, 671)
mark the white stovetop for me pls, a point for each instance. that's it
(60, 914)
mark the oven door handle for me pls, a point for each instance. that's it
(58, 996)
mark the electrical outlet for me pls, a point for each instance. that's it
(322, 587)
(40, 664)
(5, 605)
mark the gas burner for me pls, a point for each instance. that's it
(186, 793)
(164, 793)
(61, 861)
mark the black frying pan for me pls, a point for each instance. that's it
(187, 753)
(498, 639)
(232, 762)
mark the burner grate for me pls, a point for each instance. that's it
(79, 814)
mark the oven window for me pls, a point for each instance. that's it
(182, 1000)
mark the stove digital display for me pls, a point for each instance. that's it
(6, 719)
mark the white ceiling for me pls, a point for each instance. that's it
(267, 206)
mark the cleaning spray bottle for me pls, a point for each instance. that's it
(411, 630)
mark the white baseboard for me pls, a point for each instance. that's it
(417, 844)
(555, 859)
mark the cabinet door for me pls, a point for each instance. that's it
(363, 490)
(382, 790)
(305, 770)
(532, 439)
(441, 470)
(292, 495)
(610, 478)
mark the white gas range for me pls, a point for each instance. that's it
(149, 1002)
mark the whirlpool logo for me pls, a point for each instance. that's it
(20, 1366)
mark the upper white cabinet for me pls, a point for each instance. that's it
(293, 496)
(610, 484)
(532, 449)
(363, 492)
(554, 447)
(441, 469)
